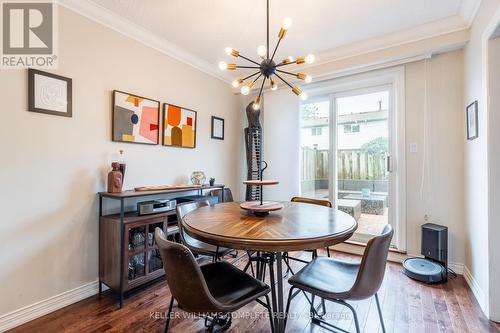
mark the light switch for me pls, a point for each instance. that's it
(413, 147)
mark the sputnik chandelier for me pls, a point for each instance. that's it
(267, 68)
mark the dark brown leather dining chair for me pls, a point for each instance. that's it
(338, 281)
(228, 195)
(318, 202)
(193, 244)
(213, 290)
(325, 203)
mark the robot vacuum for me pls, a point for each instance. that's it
(424, 270)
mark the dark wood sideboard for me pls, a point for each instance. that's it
(128, 255)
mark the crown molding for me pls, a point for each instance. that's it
(426, 31)
(132, 30)
(468, 10)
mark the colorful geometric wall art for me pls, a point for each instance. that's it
(179, 126)
(135, 119)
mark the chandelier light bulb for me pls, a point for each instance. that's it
(308, 79)
(287, 23)
(222, 65)
(310, 58)
(245, 90)
(261, 51)
(236, 83)
(274, 86)
(303, 96)
(232, 52)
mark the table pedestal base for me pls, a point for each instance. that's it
(275, 282)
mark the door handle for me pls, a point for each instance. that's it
(389, 163)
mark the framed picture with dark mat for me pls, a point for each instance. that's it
(179, 126)
(49, 93)
(136, 119)
(217, 128)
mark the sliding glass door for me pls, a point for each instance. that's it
(345, 154)
(362, 158)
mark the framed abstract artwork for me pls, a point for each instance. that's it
(49, 93)
(136, 119)
(179, 126)
(472, 130)
(217, 128)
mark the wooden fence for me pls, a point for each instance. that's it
(352, 164)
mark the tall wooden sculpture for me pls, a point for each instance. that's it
(253, 144)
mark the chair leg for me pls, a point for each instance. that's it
(251, 268)
(263, 270)
(270, 312)
(168, 314)
(316, 319)
(216, 255)
(289, 269)
(212, 324)
(380, 313)
(356, 322)
(312, 310)
(257, 266)
(249, 264)
(287, 309)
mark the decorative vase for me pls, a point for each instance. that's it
(198, 178)
(115, 179)
(212, 182)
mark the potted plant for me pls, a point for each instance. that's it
(211, 181)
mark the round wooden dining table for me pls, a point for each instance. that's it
(296, 227)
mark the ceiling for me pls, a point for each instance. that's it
(197, 31)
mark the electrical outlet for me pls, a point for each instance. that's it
(413, 147)
(426, 218)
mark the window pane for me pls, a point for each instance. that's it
(315, 147)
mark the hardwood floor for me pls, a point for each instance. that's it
(408, 306)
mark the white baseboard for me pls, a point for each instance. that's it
(38, 309)
(457, 267)
(477, 291)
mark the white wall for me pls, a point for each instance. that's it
(442, 195)
(52, 167)
(442, 199)
(477, 249)
(494, 173)
(281, 124)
